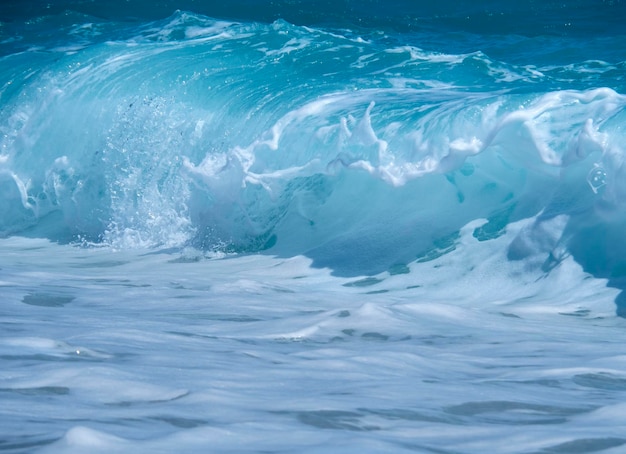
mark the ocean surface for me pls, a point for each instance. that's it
(299, 226)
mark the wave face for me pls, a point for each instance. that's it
(363, 147)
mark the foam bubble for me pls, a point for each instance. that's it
(80, 438)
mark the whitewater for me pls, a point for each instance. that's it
(312, 227)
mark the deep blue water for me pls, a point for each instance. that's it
(463, 153)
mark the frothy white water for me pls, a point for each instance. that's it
(107, 351)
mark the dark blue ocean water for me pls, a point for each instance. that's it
(409, 171)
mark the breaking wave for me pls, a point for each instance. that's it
(356, 150)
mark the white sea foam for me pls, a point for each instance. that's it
(202, 351)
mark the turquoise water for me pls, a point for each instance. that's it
(312, 226)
